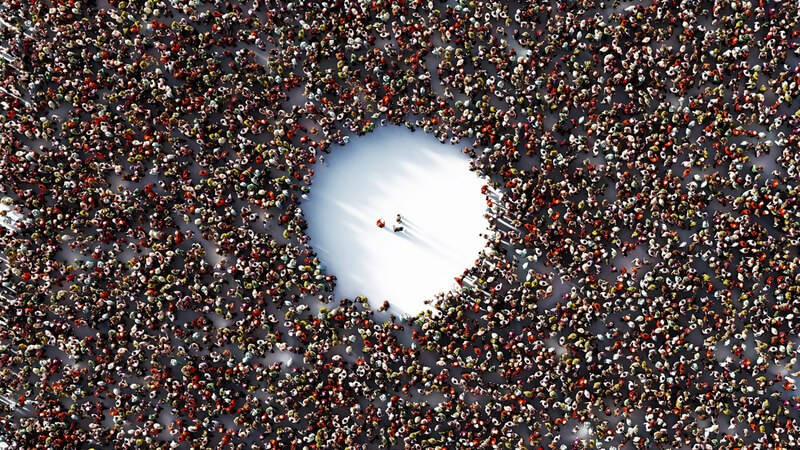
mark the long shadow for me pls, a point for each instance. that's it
(430, 244)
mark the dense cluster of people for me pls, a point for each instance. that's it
(638, 286)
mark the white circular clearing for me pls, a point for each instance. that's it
(377, 176)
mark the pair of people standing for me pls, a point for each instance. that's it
(397, 227)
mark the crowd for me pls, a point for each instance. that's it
(639, 282)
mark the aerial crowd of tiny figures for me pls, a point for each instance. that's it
(640, 278)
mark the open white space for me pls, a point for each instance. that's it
(377, 176)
